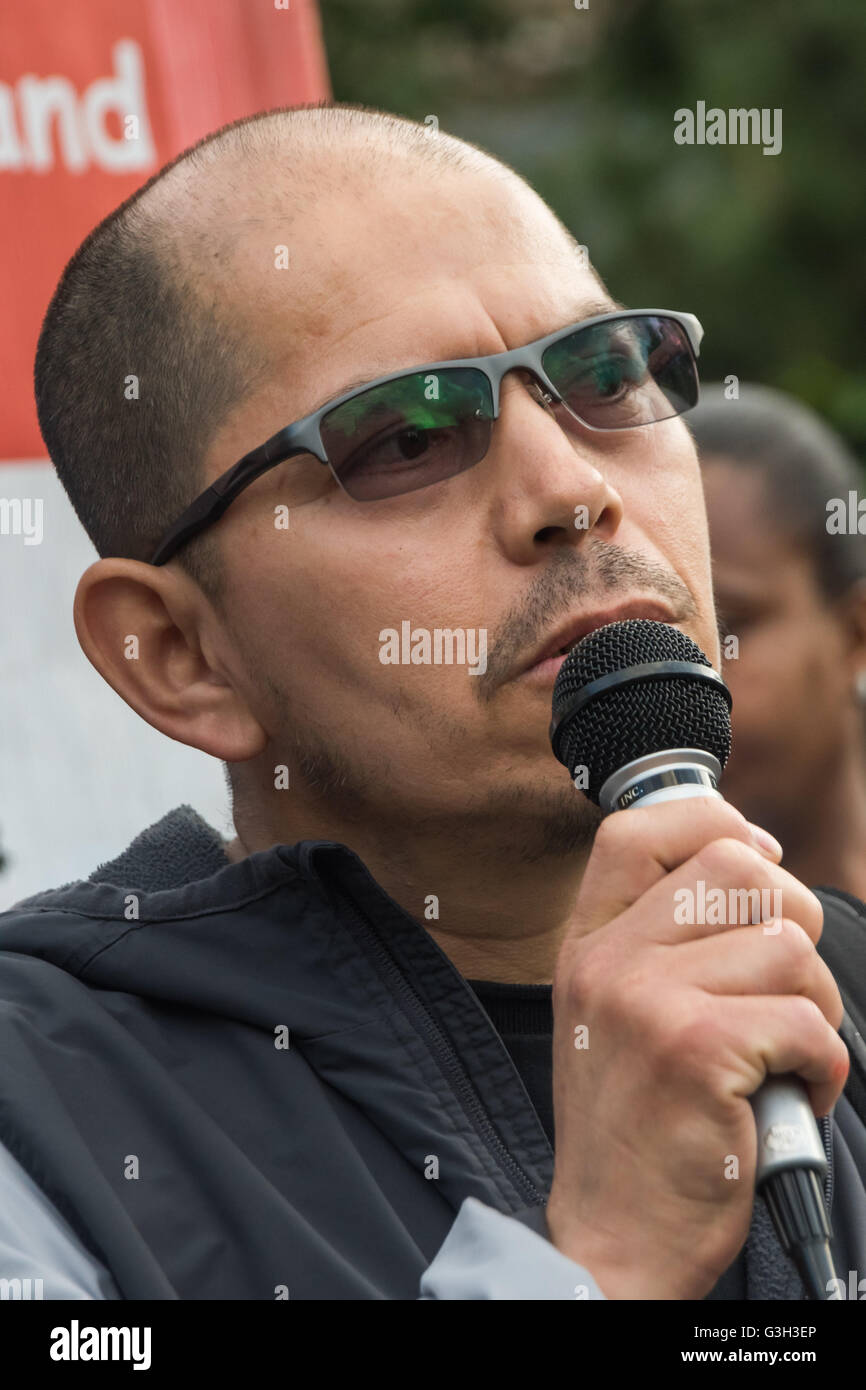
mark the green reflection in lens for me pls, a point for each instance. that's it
(423, 401)
(600, 359)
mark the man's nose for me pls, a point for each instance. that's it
(547, 475)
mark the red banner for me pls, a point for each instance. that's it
(95, 96)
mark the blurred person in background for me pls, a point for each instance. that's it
(793, 594)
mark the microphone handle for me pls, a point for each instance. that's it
(791, 1163)
(788, 1134)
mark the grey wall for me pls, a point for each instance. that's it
(80, 773)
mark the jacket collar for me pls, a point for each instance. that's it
(302, 935)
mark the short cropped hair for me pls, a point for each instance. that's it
(137, 365)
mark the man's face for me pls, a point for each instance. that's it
(429, 270)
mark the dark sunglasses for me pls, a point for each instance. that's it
(415, 428)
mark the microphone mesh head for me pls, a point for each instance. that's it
(638, 716)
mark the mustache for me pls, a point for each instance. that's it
(576, 579)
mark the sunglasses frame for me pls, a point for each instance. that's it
(304, 435)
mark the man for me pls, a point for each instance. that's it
(790, 587)
(297, 1065)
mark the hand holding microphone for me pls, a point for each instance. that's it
(692, 1030)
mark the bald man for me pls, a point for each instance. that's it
(365, 446)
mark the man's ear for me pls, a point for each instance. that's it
(142, 626)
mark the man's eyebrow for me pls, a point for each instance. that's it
(586, 311)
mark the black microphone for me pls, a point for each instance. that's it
(640, 716)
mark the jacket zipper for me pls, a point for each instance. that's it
(446, 1055)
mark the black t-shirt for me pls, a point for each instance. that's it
(523, 1017)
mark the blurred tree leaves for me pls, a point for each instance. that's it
(767, 250)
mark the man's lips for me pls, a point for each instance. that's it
(548, 659)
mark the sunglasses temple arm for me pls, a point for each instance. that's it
(205, 509)
(210, 506)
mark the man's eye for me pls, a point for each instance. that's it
(608, 378)
(610, 387)
(393, 449)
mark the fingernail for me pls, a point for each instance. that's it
(765, 841)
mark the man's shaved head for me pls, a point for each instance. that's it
(167, 290)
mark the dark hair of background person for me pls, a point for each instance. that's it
(803, 463)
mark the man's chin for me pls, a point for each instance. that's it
(548, 822)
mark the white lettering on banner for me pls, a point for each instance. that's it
(37, 107)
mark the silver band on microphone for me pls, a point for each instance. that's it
(667, 776)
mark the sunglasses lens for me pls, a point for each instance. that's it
(409, 433)
(626, 372)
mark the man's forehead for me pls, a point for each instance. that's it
(372, 280)
(404, 322)
(581, 308)
(331, 263)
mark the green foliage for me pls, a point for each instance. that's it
(767, 250)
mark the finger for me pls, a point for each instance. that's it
(635, 849)
(786, 1033)
(726, 884)
(749, 960)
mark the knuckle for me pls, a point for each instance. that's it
(684, 1044)
(844, 1057)
(631, 996)
(721, 817)
(625, 1002)
(799, 949)
(806, 1017)
(727, 858)
(832, 1004)
(611, 835)
(816, 914)
(816, 907)
(837, 1010)
(581, 978)
(615, 837)
(732, 823)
